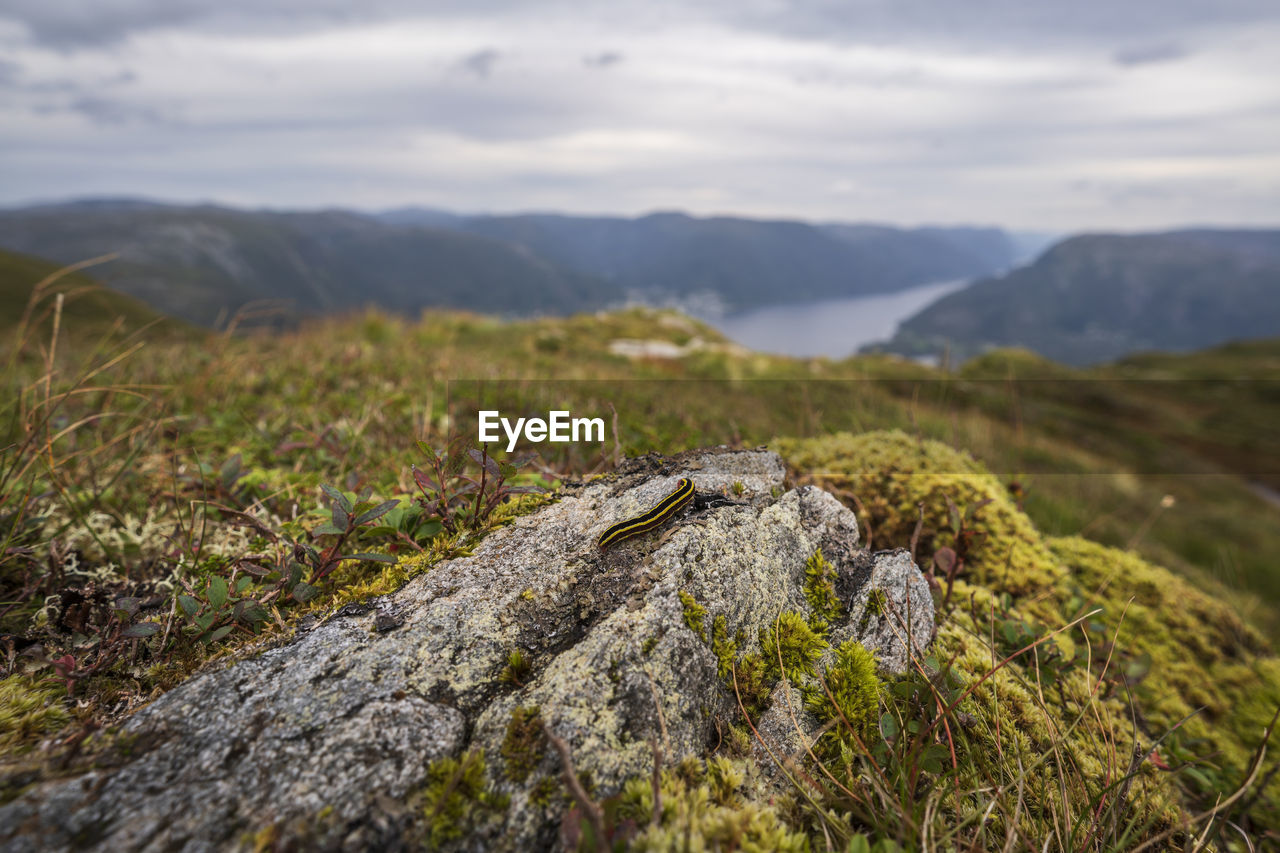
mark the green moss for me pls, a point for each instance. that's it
(524, 743)
(791, 640)
(754, 683)
(546, 791)
(517, 670)
(1061, 713)
(28, 710)
(820, 590)
(648, 645)
(457, 797)
(877, 602)
(725, 649)
(695, 615)
(893, 473)
(704, 808)
(853, 701)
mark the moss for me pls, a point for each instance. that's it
(793, 642)
(28, 710)
(754, 683)
(457, 798)
(725, 649)
(893, 473)
(695, 615)
(703, 808)
(524, 743)
(358, 587)
(853, 701)
(517, 670)
(820, 590)
(546, 791)
(1061, 712)
(649, 645)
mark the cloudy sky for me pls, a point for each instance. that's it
(1062, 116)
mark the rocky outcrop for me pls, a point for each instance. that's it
(329, 736)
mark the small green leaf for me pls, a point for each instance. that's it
(858, 844)
(377, 512)
(933, 757)
(142, 629)
(217, 592)
(341, 517)
(377, 558)
(204, 620)
(217, 635)
(242, 583)
(304, 592)
(888, 726)
(338, 497)
(430, 452)
(189, 605)
(327, 529)
(253, 613)
(231, 471)
(427, 530)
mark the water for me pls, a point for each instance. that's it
(835, 327)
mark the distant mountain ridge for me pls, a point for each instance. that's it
(745, 262)
(1098, 297)
(203, 262)
(199, 263)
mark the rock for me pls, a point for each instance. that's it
(326, 738)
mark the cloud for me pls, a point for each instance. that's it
(481, 62)
(1149, 54)
(602, 60)
(110, 111)
(913, 110)
(9, 72)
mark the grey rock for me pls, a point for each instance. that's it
(329, 735)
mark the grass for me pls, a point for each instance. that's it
(153, 488)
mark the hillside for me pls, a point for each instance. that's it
(205, 263)
(1095, 298)
(88, 309)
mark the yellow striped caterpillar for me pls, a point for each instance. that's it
(660, 514)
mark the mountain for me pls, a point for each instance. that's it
(745, 263)
(202, 263)
(1098, 297)
(206, 262)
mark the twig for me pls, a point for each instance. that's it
(657, 782)
(589, 807)
(915, 535)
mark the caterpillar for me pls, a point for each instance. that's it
(646, 521)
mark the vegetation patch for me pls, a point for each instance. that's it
(820, 590)
(791, 647)
(695, 615)
(524, 743)
(458, 798)
(28, 711)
